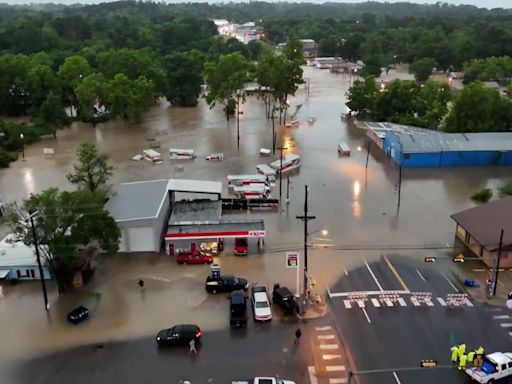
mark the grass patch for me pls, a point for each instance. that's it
(483, 196)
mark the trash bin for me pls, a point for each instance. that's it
(469, 283)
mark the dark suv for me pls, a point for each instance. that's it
(285, 299)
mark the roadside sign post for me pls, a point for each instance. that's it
(292, 261)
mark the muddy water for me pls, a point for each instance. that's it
(357, 206)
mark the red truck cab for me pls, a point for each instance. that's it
(241, 246)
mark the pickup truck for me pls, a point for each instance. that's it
(495, 366)
(263, 380)
(238, 309)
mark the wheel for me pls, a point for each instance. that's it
(214, 291)
(185, 263)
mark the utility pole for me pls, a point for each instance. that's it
(497, 265)
(305, 218)
(368, 153)
(273, 132)
(281, 148)
(399, 187)
(38, 256)
(287, 189)
(238, 120)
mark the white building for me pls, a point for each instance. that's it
(19, 262)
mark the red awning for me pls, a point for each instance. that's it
(214, 235)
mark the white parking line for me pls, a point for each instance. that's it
(325, 328)
(338, 381)
(506, 325)
(326, 337)
(335, 368)
(312, 375)
(449, 282)
(396, 378)
(331, 357)
(329, 346)
(419, 273)
(367, 317)
(373, 275)
(501, 317)
(346, 272)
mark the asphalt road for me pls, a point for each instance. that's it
(395, 339)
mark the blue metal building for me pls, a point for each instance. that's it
(439, 149)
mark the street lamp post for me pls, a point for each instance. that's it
(22, 146)
(238, 120)
(305, 218)
(281, 148)
(38, 257)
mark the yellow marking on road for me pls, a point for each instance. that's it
(398, 277)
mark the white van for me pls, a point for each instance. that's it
(266, 170)
(343, 149)
(181, 154)
(152, 155)
(239, 180)
(252, 191)
(290, 162)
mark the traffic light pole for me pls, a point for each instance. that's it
(305, 218)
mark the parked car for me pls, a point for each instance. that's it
(238, 309)
(260, 304)
(180, 334)
(78, 315)
(225, 284)
(241, 246)
(196, 257)
(283, 297)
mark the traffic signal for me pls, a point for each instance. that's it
(430, 259)
(459, 258)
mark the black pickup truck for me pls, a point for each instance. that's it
(238, 309)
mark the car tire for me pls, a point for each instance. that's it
(214, 291)
(185, 263)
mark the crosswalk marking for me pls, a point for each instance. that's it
(501, 317)
(338, 381)
(506, 325)
(429, 303)
(388, 302)
(312, 375)
(325, 337)
(402, 302)
(375, 302)
(469, 303)
(347, 303)
(415, 302)
(360, 303)
(335, 368)
(331, 357)
(329, 346)
(441, 301)
(325, 328)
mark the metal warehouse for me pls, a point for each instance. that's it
(437, 149)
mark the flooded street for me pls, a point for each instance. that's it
(356, 206)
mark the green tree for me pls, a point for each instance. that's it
(483, 196)
(91, 96)
(422, 68)
(65, 222)
(478, 109)
(372, 66)
(41, 82)
(184, 78)
(225, 79)
(362, 96)
(129, 99)
(72, 72)
(14, 85)
(51, 114)
(92, 170)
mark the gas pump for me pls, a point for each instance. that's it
(215, 271)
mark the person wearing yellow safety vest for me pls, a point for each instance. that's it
(471, 357)
(462, 362)
(455, 353)
(462, 350)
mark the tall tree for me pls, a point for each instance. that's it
(184, 78)
(91, 96)
(64, 223)
(423, 68)
(362, 96)
(72, 72)
(51, 114)
(92, 170)
(225, 80)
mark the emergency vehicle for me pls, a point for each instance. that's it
(344, 149)
(252, 191)
(181, 154)
(290, 162)
(152, 155)
(266, 170)
(239, 180)
(495, 366)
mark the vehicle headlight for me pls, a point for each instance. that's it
(158, 338)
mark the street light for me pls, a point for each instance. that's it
(22, 146)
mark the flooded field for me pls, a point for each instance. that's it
(356, 206)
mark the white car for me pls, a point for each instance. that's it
(261, 304)
(215, 157)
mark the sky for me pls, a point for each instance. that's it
(478, 3)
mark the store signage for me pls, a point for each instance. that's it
(292, 259)
(256, 234)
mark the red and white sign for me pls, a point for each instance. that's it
(214, 235)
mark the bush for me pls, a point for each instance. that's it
(483, 196)
(6, 158)
(505, 190)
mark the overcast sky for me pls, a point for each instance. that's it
(479, 3)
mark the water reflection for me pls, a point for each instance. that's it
(356, 205)
(28, 180)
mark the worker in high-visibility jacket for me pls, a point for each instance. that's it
(462, 362)
(455, 353)
(471, 357)
(480, 350)
(462, 350)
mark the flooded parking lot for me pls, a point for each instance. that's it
(357, 207)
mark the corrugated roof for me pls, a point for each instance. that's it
(485, 222)
(138, 200)
(199, 186)
(224, 225)
(196, 212)
(439, 141)
(16, 253)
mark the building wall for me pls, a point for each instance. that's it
(27, 272)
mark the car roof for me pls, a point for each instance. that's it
(237, 297)
(499, 357)
(259, 288)
(184, 328)
(260, 296)
(283, 291)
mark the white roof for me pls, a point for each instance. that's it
(499, 357)
(251, 188)
(199, 186)
(260, 296)
(16, 253)
(266, 169)
(178, 150)
(150, 152)
(261, 178)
